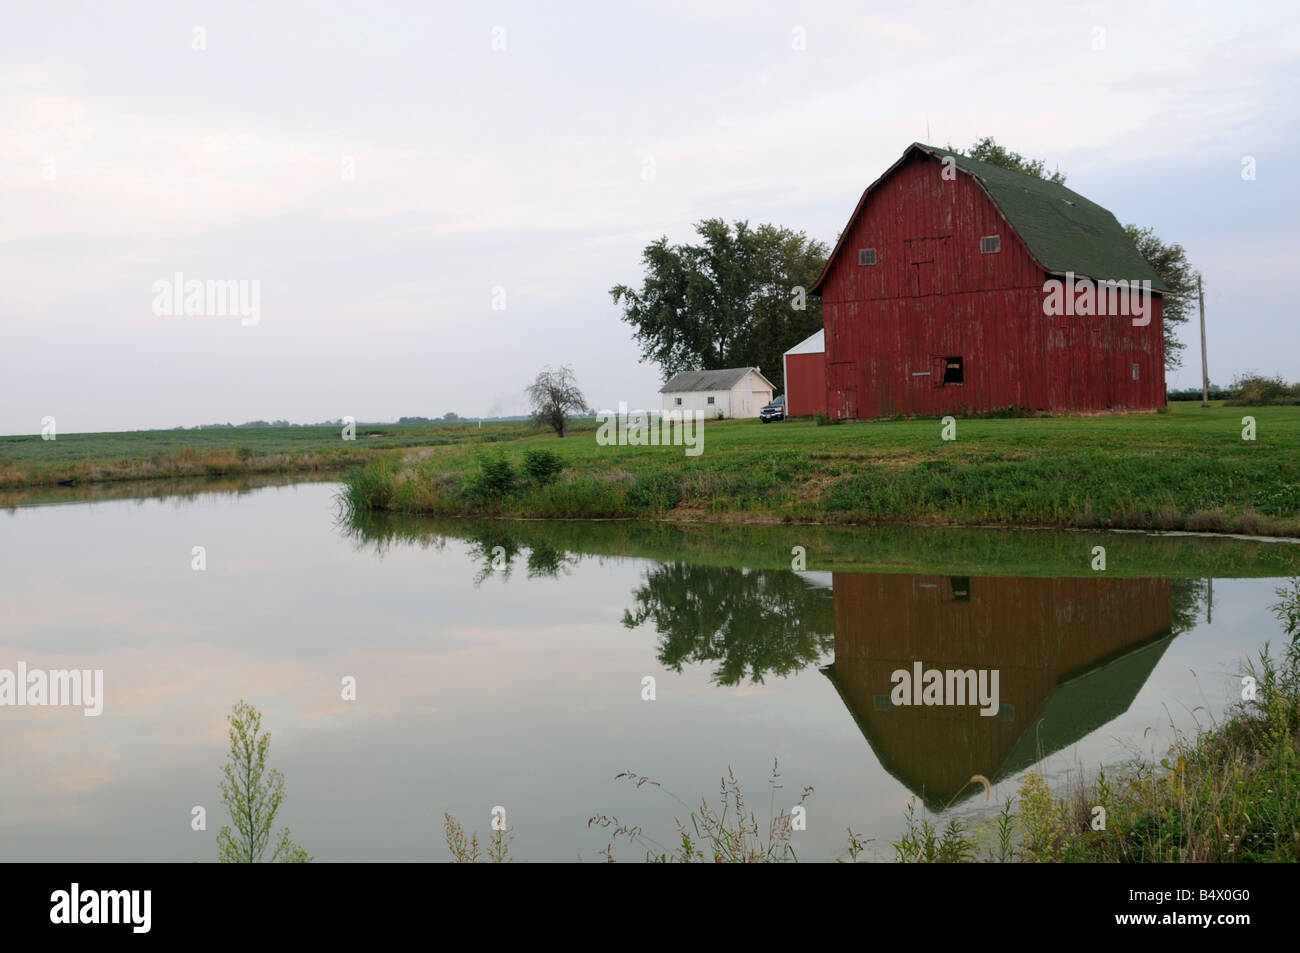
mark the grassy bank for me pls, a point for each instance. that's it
(1188, 469)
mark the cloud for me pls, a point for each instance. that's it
(381, 175)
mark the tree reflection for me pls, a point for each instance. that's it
(754, 622)
(1187, 603)
(497, 552)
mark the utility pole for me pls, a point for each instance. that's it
(1205, 367)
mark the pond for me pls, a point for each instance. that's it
(525, 665)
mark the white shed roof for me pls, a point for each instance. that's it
(724, 379)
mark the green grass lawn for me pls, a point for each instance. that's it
(1188, 469)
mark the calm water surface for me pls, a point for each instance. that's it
(522, 687)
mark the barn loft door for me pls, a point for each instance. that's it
(925, 258)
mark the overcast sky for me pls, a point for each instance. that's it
(382, 171)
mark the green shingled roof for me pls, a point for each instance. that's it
(1064, 230)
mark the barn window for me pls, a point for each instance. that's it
(866, 256)
(990, 244)
(960, 588)
(953, 372)
(1135, 372)
(677, 401)
(710, 400)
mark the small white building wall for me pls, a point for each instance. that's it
(746, 399)
(749, 395)
(699, 400)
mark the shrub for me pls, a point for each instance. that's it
(370, 487)
(496, 478)
(542, 466)
(823, 420)
(1256, 390)
(1040, 821)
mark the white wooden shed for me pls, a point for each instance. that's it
(732, 392)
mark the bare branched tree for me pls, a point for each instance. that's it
(553, 396)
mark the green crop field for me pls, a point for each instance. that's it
(152, 454)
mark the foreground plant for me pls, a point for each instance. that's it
(465, 850)
(923, 844)
(725, 833)
(252, 796)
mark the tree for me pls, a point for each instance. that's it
(553, 396)
(987, 150)
(739, 298)
(1167, 260)
(252, 795)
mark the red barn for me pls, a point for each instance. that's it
(805, 377)
(959, 285)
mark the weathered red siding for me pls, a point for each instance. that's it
(933, 295)
(805, 384)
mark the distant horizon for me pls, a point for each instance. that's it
(412, 420)
(259, 424)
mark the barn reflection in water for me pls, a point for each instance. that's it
(1072, 655)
